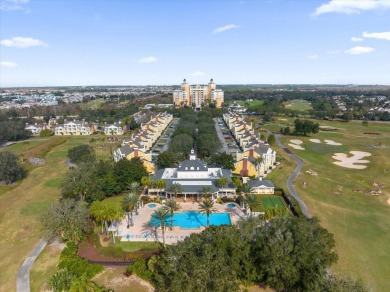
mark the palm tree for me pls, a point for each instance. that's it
(246, 189)
(175, 188)
(128, 205)
(134, 186)
(171, 206)
(222, 182)
(268, 214)
(250, 201)
(207, 207)
(146, 181)
(160, 184)
(97, 211)
(206, 191)
(161, 215)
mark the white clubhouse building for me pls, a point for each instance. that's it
(194, 174)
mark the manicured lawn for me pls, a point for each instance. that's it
(116, 201)
(137, 245)
(298, 105)
(21, 205)
(360, 223)
(54, 183)
(252, 105)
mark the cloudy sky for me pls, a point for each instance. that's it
(118, 42)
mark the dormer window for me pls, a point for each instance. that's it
(186, 168)
(197, 168)
(192, 168)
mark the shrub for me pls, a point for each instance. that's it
(69, 251)
(80, 266)
(61, 281)
(46, 133)
(10, 170)
(140, 269)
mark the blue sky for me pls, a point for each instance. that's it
(118, 42)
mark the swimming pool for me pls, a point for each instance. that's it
(231, 205)
(193, 219)
(152, 205)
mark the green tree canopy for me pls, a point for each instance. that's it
(128, 171)
(67, 219)
(82, 153)
(10, 170)
(224, 160)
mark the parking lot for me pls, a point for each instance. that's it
(228, 142)
(163, 142)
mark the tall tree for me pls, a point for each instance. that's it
(129, 203)
(160, 184)
(172, 206)
(66, 219)
(222, 182)
(175, 189)
(10, 170)
(250, 201)
(161, 215)
(82, 153)
(207, 207)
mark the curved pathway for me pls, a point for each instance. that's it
(23, 278)
(292, 177)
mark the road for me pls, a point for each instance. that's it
(224, 146)
(292, 177)
(23, 278)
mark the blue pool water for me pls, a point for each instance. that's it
(193, 219)
(152, 205)
(231, 206)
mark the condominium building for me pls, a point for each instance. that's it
(75, 128)
(140, 144)
(198, 95)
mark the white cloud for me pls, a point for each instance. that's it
(335, 52)
(22, 42)
(225, 28)
(12, 5)
(378, 35)
(150, 59)
(358, 50)
(313, 57)
(355, 39)
(8, 64)
(197, 73)
(351, 6)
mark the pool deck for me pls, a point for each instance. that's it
(141, 231)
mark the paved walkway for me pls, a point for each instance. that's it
(292, 177)
(23, 278)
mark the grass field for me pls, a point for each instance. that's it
(360, 223)
(252, 105)
(22, 204)
(92, 104)
(298, 105)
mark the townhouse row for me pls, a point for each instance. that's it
(140, 144)
(257, 158)
(77, 128)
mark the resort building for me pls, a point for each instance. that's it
(113, 129)
(141, 143)
(257, 157)
(77, 128)
(198, 95)
(260, 186)
(193, 175)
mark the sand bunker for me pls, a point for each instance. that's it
(388, 201)
(297, 142)
(350, 162)
(315, 140)
(331, 142)
(282, 119)
(296, 147)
